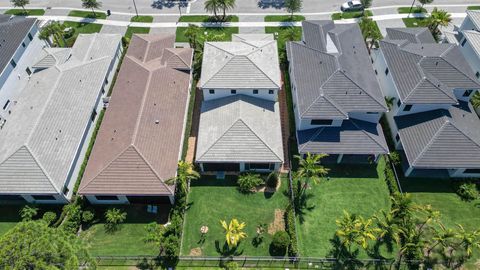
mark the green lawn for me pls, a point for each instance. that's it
(21, 12)
(441, 196)
(146, 19)
(81, 28)
(128, 240)
(205, 18)
(87, 14)
(136, 30)
(220, 33)
(354, 188)
(473, 8)
(282, 34)
(9, 215)
(213, 200)
(415, 22)
(350, 15)
(284, 18)
(404, 10)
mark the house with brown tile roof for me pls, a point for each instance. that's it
(139, 143)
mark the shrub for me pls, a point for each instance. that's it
(467, 191)
(73, 217)
(125, 41)
(247, 182)
(395, 158)
(231, 265)
(290, 228)
(114, 217)
(87, 216)
(280, 243)
(272, 180)
(28, 212)
(390, 177)
(49, 217)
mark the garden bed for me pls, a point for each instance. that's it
(206, 18)
(220, 33)
(87, 14)
(350, 15)
(415, 22)
(284, 18)
(26, 12)
(213, 200)
(144, 19)
(406, 10)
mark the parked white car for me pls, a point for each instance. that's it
(354, 5)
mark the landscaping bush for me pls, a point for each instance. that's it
(73, 217)
(247, 182)
(290, 228)
(28, 212)
(272, 180)
(87, 216)
(49, 217)
(231, 265)
(467, 191)
(280, 243)
(114, 217)
(390, 177)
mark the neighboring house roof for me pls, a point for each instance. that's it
(352, 137)
(332, 72)
(239, 128)
(4, 18)
(441, 138)
(412, 34)
(12, 33)
(250, 61)
(474, 16)
(138, 145)
(40, 140)
(473, 38)
(427, 72)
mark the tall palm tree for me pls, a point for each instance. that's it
(55, 30)
(387, 225)
(403, 206)
(93, 4)
(213, 6)
(468, 240)
(370, 32)
(226, 5)
(430, 216)
(185, 173)
(21, 3)
(45, 35)
(353, 229)
(411, 246)
(311, 169)
(438, 18)
(191, 33)
(233, 232)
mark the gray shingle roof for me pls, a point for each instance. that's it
(473, 38)
(239, 128)
(332, 72)
(12, 33)
(43, 132)
(412, 34)
(352, 137)
(427, 72)
(442, 138)
(244, 63)
(474, 15)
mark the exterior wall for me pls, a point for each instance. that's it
(13, 80)
(304, 124)
(416, 108)
(220, 93)
(461, 173)
(386, 81)
(59, 199)
(369, 117)
(467, 24)
(242, 167)
(472, 57)
(122, 199)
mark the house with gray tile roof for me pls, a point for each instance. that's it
(44, 140)
(430, 85)
(336, 96)
(19, 50)
(240, 128)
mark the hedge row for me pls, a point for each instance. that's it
(390, 177)
(290, 228)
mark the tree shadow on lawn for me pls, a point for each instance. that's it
(136, 213)
(352, 170)
(212, 181)
(430, 185)
(302, 207)
(345, 259)
(226, 251)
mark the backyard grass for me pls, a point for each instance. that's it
(205, 18)
(81, 28)
(220, 33)
(146, 19)
(87, 14)
(281, 35)
(473, 8)
(29, 12)
(128, 240)
(355, 188)
(415, 22)
(406, 10)
(440, 195)
(350, 15)
(284, 18)
(213, 200)
(136, 30)
(9, 214)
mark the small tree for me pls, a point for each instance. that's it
(49, 217)
(311, 170)
(93, 4)
(293, 6)
(28, 212)
(213, 6)
(370, 32)
(114, 217)
(191, 33)
(233, 232)
(468, 240)
(280, 243)
(366, 4)
(248, 181)
(21, 3)
(185, 173)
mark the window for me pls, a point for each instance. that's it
(467, 93)
(43, 197)
(372, 112)
(386, 71)
(407, 108)
(6, 104)
(106, 198)
(397, 138)
(477, 74)
(376, 72)
(399, 103)
(211, 91)
(259, 166)
(464, 41)
(23, 44)
(233, 91)
(13, 63)
(30, 36)
(29, 72)
(472, 171)
(255, 91)
(94, 114)
(321, 122)
(271, 92)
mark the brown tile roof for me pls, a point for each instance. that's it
(138, 145)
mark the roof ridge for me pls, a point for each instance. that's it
(142, 107)
(464, 74)
(41, 168)
(370, 136)
(253, 63)
(430, 142)
(368, 93)
(256, 135)
(220, 69)
(175, 54)
(320, 130)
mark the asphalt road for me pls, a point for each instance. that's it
(243, 6)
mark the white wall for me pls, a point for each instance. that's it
(220, 93)
(467, 24)
(472, 57)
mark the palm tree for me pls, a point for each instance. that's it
(389, 101)
(438, 18)
(476, 100)
(402, 206)
(21, 3)
(191, 33)
(185, 173)
(226, 5)
(45, 35)
(411, 245)
(293, 6)
(233, 232)
(468, 240)
(311, 168)
(387, 225)
(441, 237)
(54, 29)
(370, 32)
(213, 6)
(355, 230)
(93, 4)
(430, 216)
